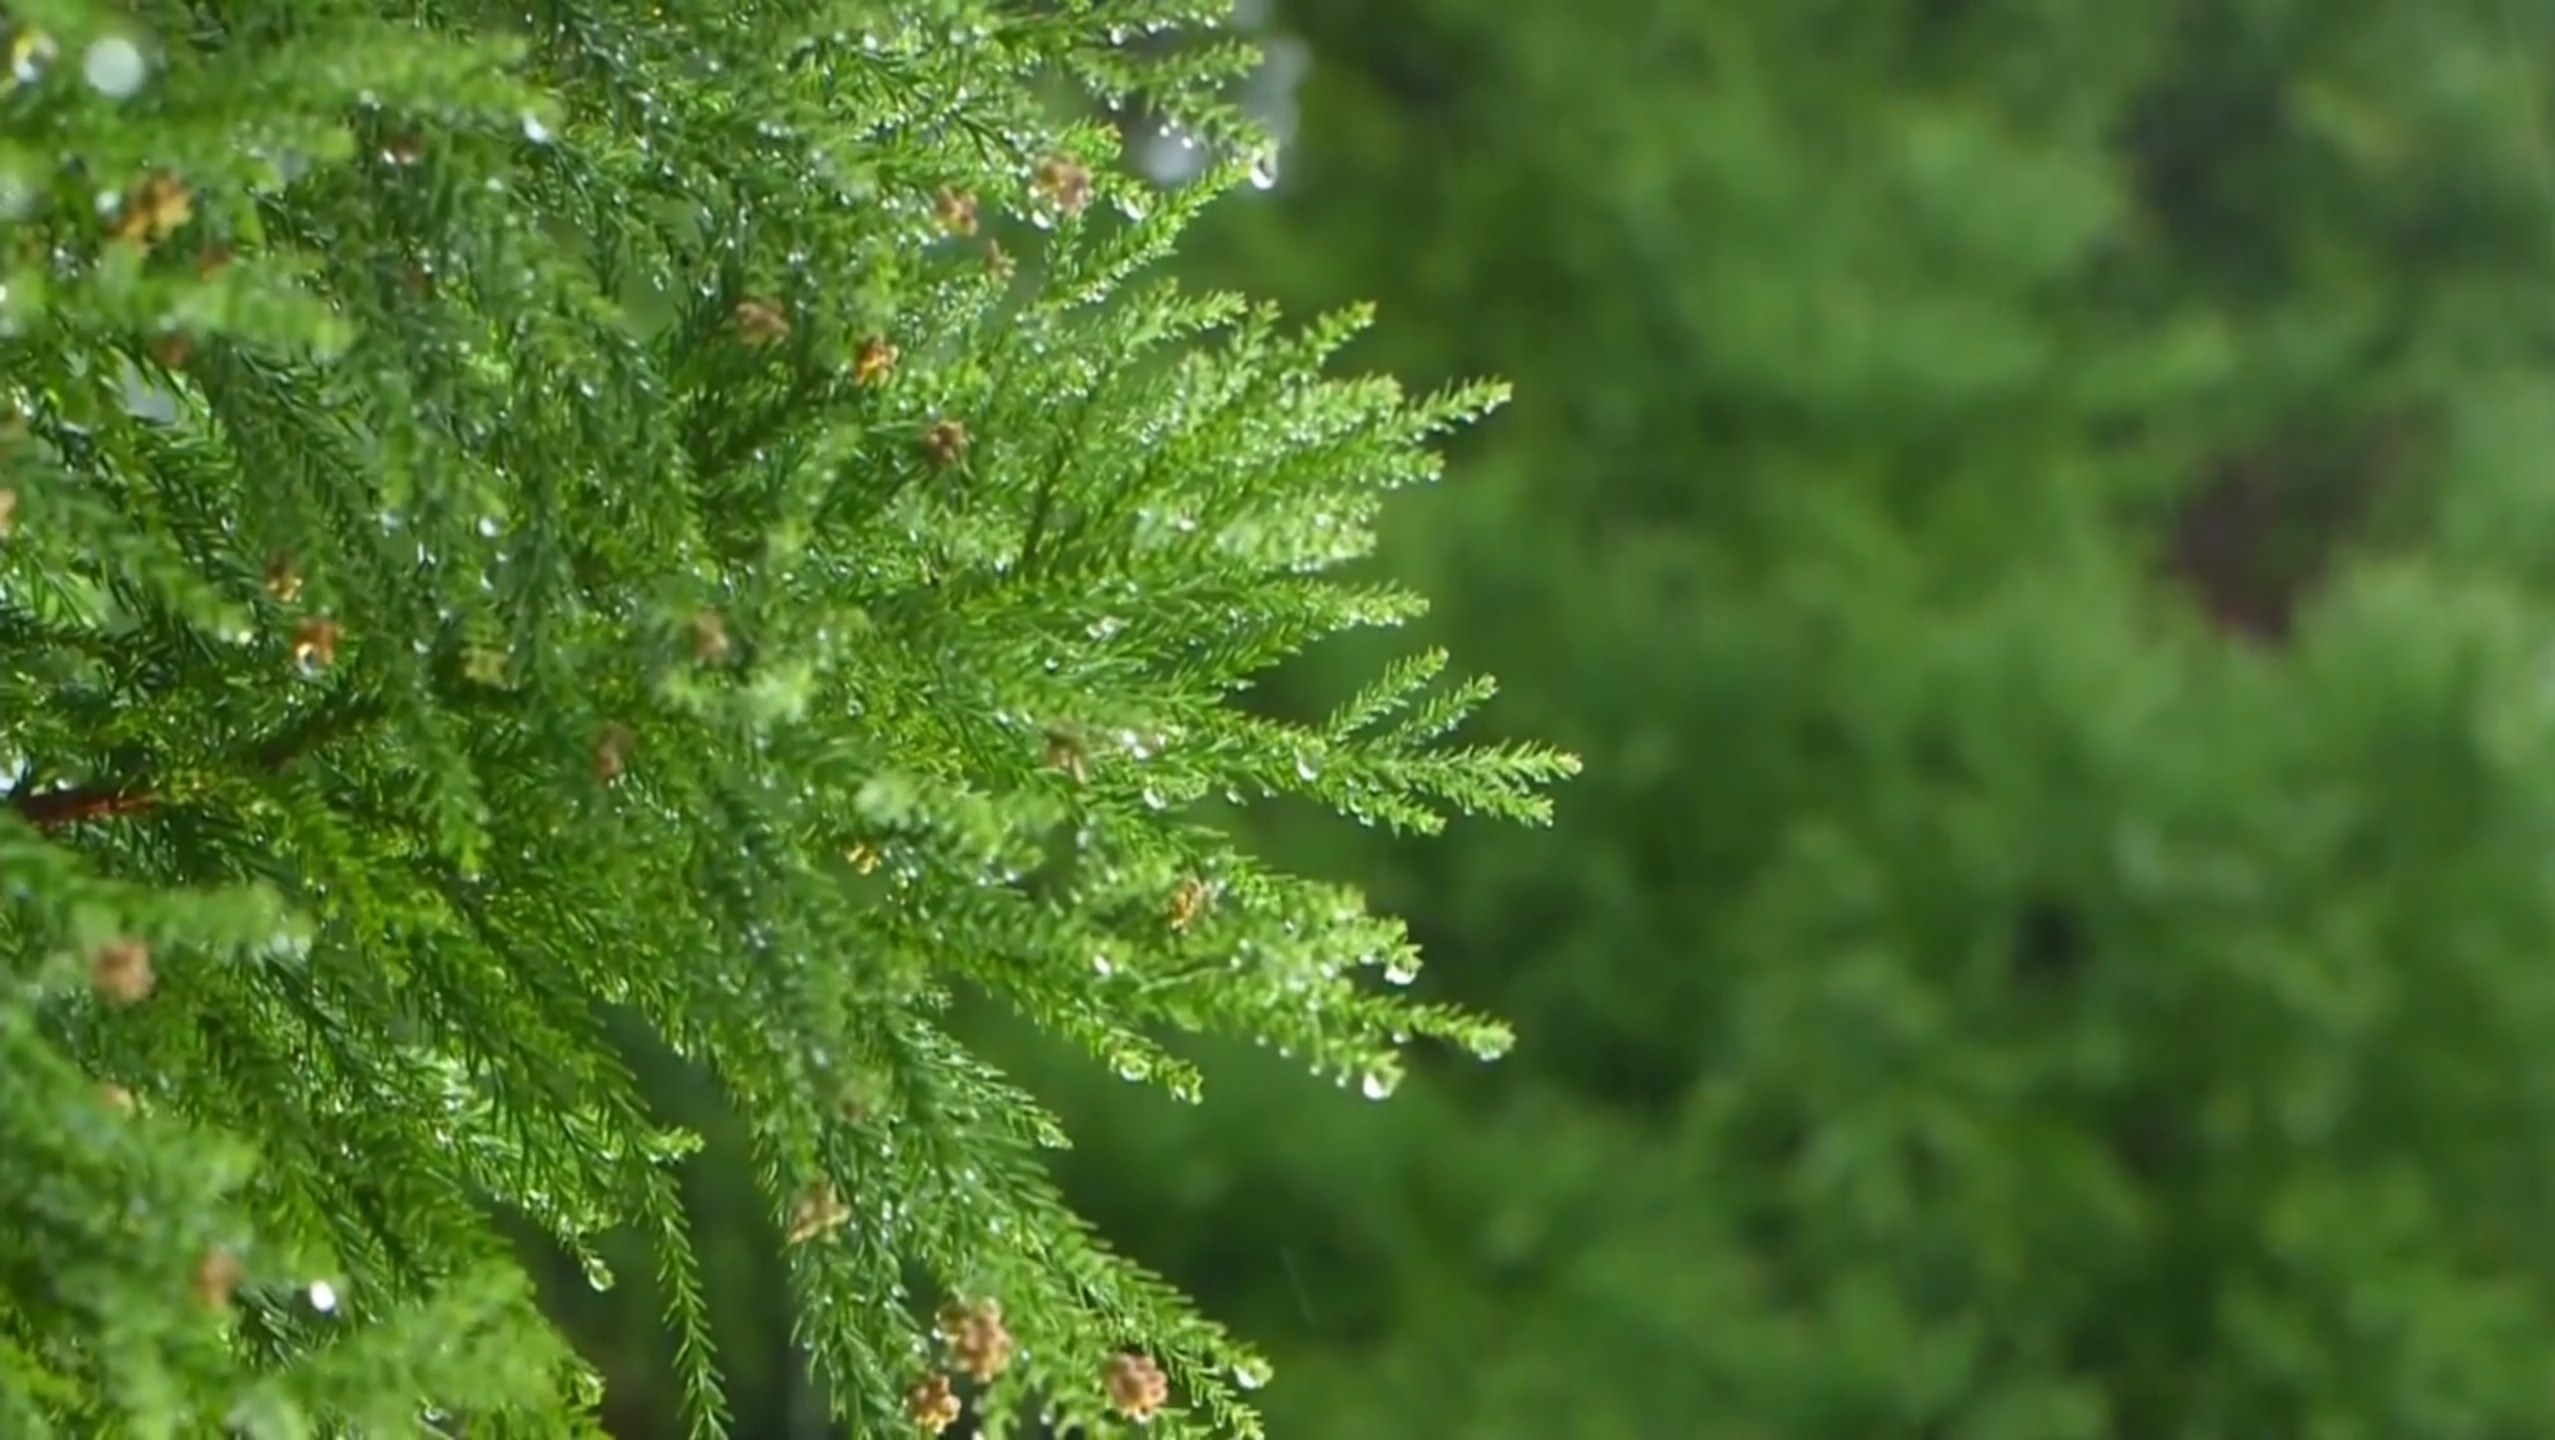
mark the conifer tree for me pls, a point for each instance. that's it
(2044, 510)
(516, 524)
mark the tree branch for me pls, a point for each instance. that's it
(56, 808)
(106, 800)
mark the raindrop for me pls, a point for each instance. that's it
(1378, 1084)
(323, 1296)
(114, 67)
(534, 130)
(1264, 170)
(1401, 970)
(1100, 965)
(29, 57)
(1251, 1374)
(1306, 767)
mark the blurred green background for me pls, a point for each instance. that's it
(2040, 515)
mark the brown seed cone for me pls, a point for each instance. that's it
(1064, 182)
(217, 1277)
(978, 1343)
(315, 642)
(873, 362)
(817, 1211)
(612, 752)
(1136, 1385)
(154, 209)
(282, 580)
(1188, 901)
(121, 970)
(760, 322)
(933, 1404)
(709, 637)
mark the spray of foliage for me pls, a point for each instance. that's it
(517, 522)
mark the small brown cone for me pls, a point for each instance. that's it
(217, 1278)
(1066, 752)
(956, 211)
(817, 1211)
(1063, 182)
(978, 1343)
(154, 209)
(612, 752)
(282, 580)
(933, 1403)
(315, 643)
(1136, 1386)
(946, 443)
(761, 322)
(121, 971)
(709, 638)
(874, 361)
(1189, 900)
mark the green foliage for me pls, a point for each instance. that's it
(530, 530)
(2042, 508)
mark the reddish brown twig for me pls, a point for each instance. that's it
(56, 808)
(53, 809)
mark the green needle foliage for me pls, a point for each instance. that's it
(527, 522)
(2045, 510)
